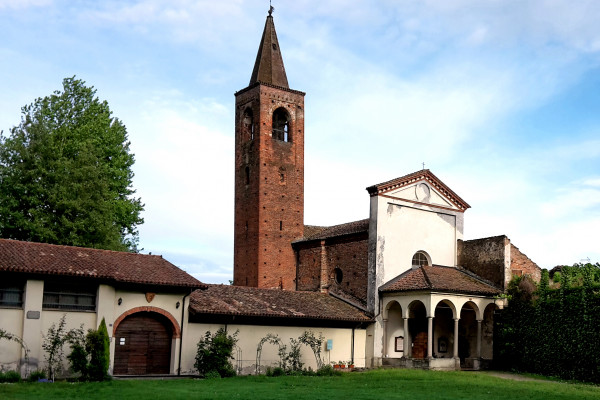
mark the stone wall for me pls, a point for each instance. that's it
(485, 257)
(337, 265)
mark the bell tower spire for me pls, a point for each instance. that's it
(269, 172)
(268, 67)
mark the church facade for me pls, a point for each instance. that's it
(399, 288)
(431, 294)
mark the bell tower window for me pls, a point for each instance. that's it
(248, 124)
(281, 125)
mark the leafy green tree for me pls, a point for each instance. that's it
(65, 174)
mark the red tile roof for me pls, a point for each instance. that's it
(312, 232)
(423, 175)
(275, 303)
(442, 279)
(116, 266)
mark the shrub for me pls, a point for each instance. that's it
(277, 371)
(214, 353)
(53, 346)
(89, 353)
(95, 345)
(10, 376)
(327, 370)
(212, 375)
(36, 375)
(106, 346)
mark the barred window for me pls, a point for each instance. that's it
(11, 294)
(61, 296)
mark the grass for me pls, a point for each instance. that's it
(388, 384)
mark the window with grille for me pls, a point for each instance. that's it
(11, 294)
(61, 296)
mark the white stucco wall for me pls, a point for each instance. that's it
(249, 337)
(11, 320)
(402, 224)
(33, 329)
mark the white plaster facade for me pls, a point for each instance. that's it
(114, 305)
(418, 213)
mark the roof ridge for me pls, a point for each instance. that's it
(422, 268)
(32, 243)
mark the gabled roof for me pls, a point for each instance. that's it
(440, 279)
(113, 266)
(272, 303)
(268, 67)
(423, 175)
(312, 232)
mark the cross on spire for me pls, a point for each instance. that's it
(271, 8)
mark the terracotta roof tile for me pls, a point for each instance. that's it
(312, 232)
(49, 259)
(275, 303)
(439, 278)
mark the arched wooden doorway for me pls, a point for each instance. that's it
(143, 345)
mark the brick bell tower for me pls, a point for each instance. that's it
(269, 172)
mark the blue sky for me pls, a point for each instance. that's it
(500, 99)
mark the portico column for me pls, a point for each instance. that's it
(405, 345)
(456, 337)
(385, 343)
(479, 338)
(429, 337)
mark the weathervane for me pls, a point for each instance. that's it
(271, 8)
(423, 165)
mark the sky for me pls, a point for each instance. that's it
(499, 99)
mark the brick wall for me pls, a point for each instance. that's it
(269, 188)
(521, 265)
(319, 259)
(485, 257)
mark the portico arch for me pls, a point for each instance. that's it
(394, 331)
(443, 329)
(418, 328)
(468, 334)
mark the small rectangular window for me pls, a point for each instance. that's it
(11, 294)
(68, 296)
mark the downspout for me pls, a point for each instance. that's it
(181, 334)
(352, 348)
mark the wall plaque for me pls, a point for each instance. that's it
(33, 315)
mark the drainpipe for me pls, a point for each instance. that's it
(181, 333)
(352, 348)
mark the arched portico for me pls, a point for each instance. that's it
(439, 329)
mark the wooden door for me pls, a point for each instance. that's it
(142, 345)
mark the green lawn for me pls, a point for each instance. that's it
(379, 384)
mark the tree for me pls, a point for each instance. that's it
(65, 174)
